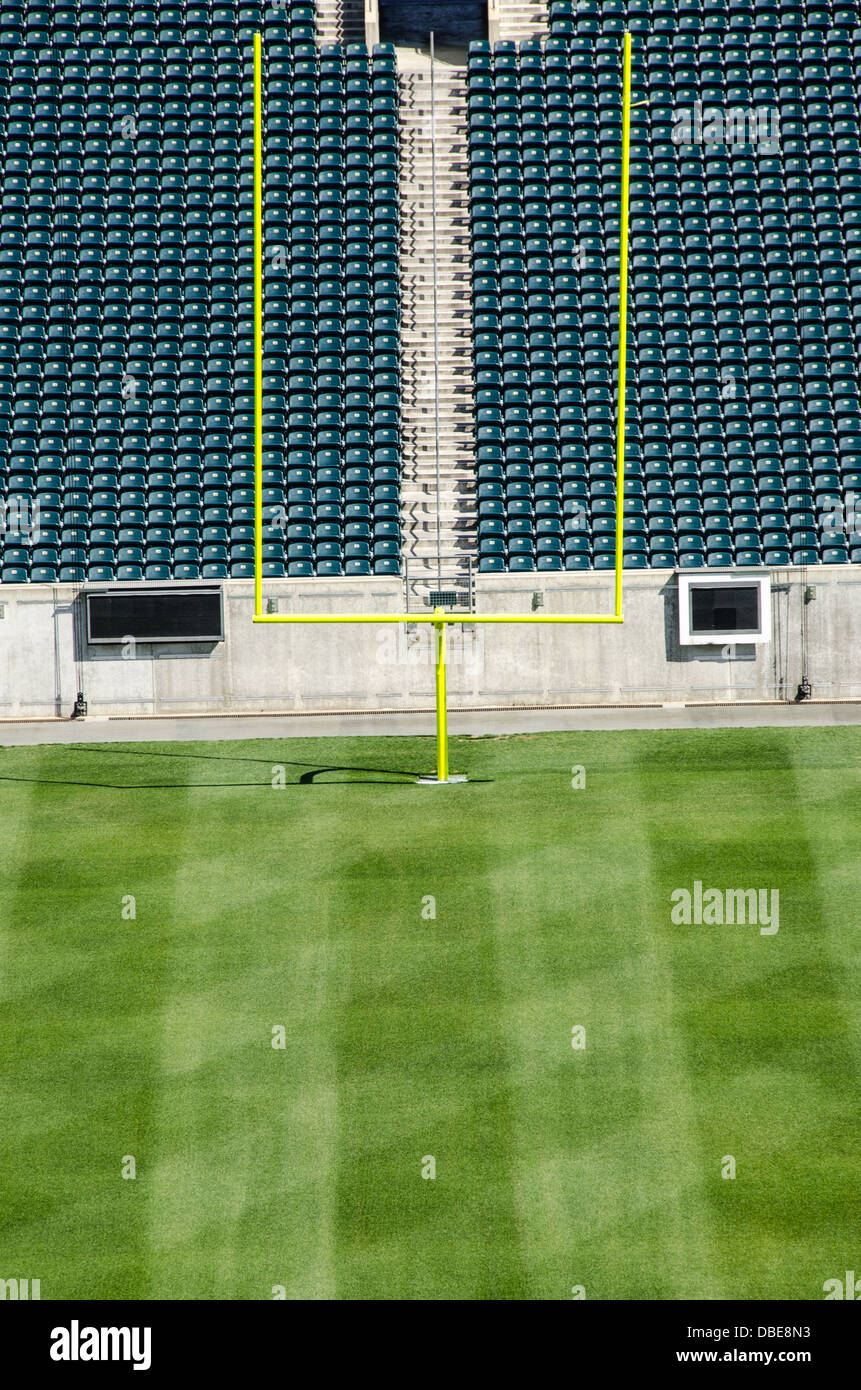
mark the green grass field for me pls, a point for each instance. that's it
(407, 1035)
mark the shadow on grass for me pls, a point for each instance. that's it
(112, 749)
(314, 768)
(307, 780)
(378, 776)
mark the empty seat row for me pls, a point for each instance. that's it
(66, 22)
(569, 18)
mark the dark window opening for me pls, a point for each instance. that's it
(155, 615)
(454, 23)
(733, 609)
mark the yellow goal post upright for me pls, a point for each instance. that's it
(440, 618)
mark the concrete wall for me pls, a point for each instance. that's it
(45, 658)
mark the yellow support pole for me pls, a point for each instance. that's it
(623, 315)
(441, 699)
(258, 325)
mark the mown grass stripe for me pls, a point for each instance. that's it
(420, 1058)
(762, 1018)
(602, 1133)
(82, 1024)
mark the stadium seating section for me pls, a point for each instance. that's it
(126, 385)
(126, 299)
(744, 417)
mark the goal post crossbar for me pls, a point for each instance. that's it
(444, 617)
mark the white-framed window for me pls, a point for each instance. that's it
(716, 609)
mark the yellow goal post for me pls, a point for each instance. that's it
(439, 617)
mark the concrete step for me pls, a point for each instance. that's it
(423, 500)
(423, 326)
(424, 532)
(449, 521)
(453, 476)
(453, 448)
(453, 511)
(453, 495)
(422, 492)
(423, 561)
(455, 420)
(452, 455)
(426, 398)
(422, 383)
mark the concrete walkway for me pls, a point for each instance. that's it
(475, 722)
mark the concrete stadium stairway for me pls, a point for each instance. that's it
(523, 19)
(340, 21)
(458, 530)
